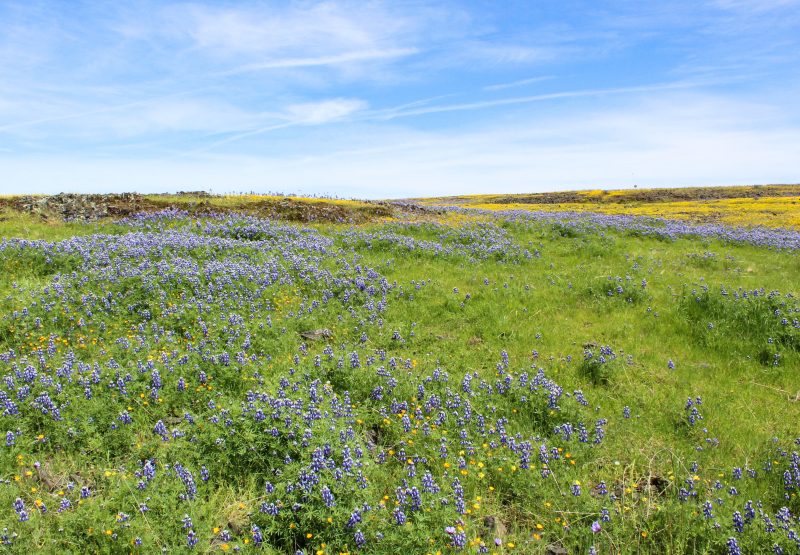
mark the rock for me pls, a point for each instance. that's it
(315, 335)
(47, 477)
(73, 207)
(373, 435)
(555, 549)
(494, 526)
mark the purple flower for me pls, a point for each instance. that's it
(738, 522)
(359, 538)
(327, 497)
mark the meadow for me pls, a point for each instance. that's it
(776, 206)
(435, 377)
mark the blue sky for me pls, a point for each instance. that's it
(397, 99)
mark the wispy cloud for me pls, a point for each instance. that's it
(507, 53)
(486, 104)
(323, 112)
(519, 83)
(316, 61)
(309, 113)
(241, 30)
(80, 114)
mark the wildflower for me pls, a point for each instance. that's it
(359, 538)
(19, 507)
(188, 481)
(258, 537)
(738, 522)
(161, 430)
(327, 497)
(733, 547)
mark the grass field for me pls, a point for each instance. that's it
(510, 379)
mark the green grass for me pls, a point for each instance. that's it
(545, 311)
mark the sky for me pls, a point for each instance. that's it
(397, 99)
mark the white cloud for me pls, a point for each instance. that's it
(309, 113)
(276, 36)
(334, 60)
(325, 111)
(238, 30)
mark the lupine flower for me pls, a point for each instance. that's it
(738, 522)
(327, 496)
(359, 539)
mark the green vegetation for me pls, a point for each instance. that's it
(456, 346)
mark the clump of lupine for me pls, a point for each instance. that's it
(600, 363)
(591, 222)
(767, 322)
(627, 289)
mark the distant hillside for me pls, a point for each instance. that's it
(624, 196)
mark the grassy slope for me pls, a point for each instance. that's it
(745, 401)
(771, 206)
